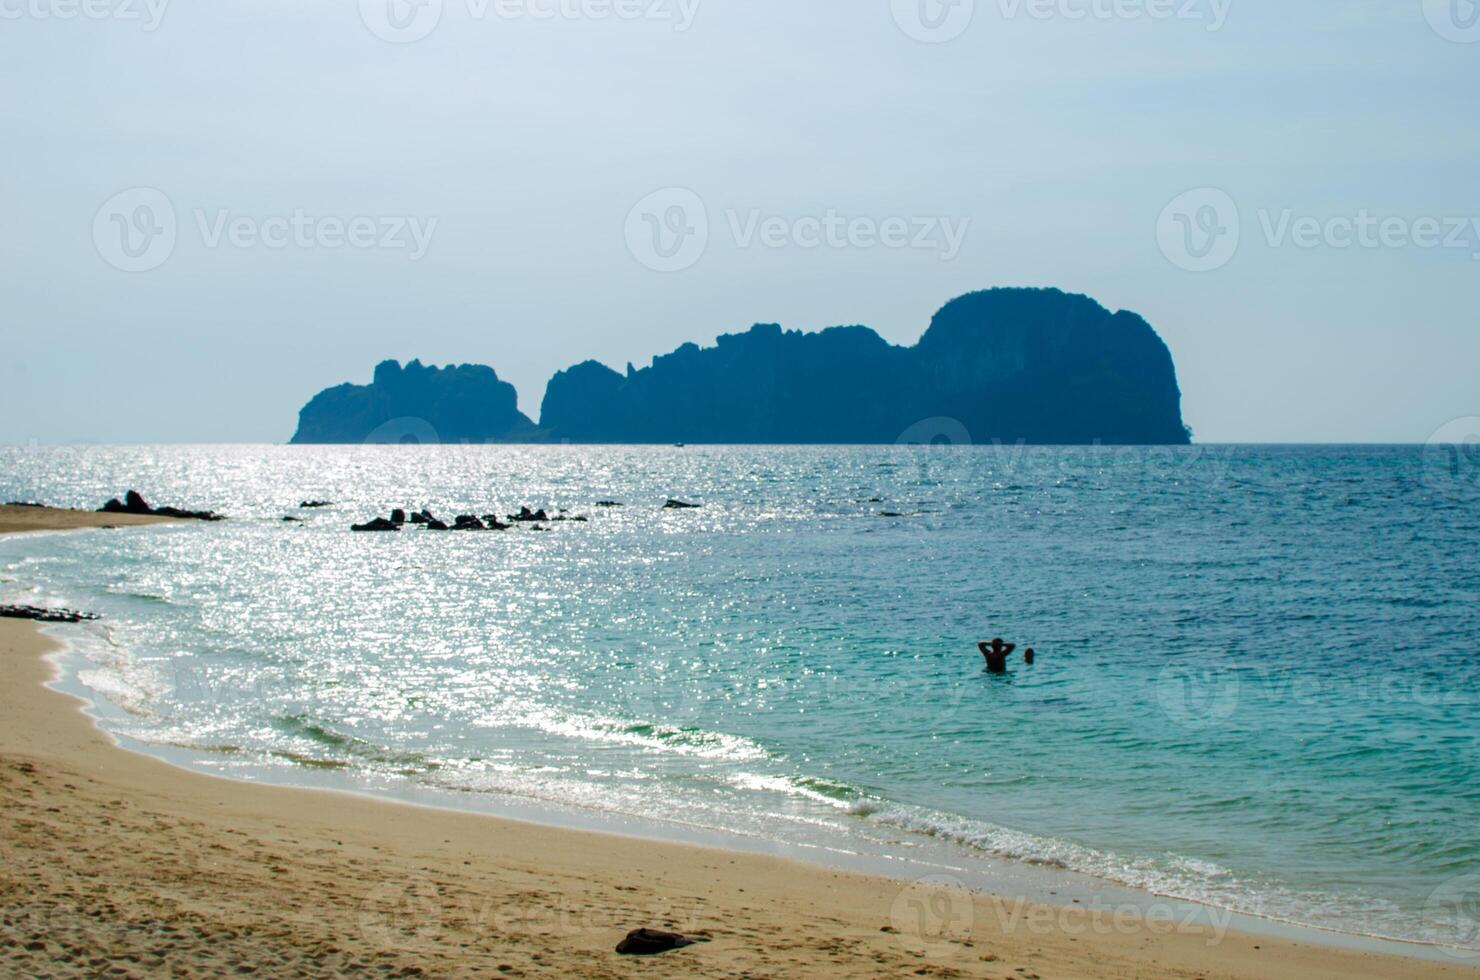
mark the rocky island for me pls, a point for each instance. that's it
(465, 403)
(1013, 365)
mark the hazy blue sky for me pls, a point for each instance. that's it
(519, 136)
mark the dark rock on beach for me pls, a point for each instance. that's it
(379, 524)
(650, 942)
(134, 503)
(41, 615)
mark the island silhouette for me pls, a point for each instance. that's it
(1037, 366)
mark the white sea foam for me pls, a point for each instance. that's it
(646, 735)
(108, 669)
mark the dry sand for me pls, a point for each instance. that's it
(116, 864)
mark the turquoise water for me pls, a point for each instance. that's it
(1256, 682)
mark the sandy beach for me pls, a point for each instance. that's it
(114, 863)
(19, 519)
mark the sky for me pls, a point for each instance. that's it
(210, 211)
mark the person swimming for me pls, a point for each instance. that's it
(996, 654)
(1028, 655)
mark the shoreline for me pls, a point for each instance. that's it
(1017, 881)
(123, 856)
(399, 884)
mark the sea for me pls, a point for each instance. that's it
(1255, 686)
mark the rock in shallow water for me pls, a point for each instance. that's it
(134, 503)
(41, 615)
(379, 524)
